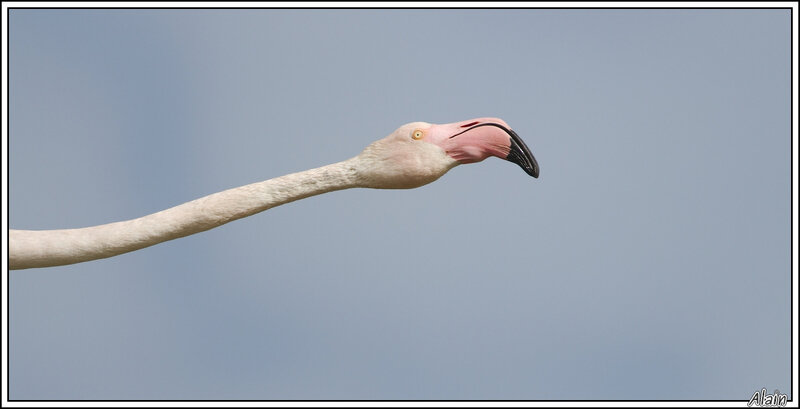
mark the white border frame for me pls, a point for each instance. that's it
(576, 5)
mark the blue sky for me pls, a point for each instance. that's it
(650, 260)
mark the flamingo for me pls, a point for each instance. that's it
(414, 155)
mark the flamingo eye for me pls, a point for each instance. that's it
(417, 134)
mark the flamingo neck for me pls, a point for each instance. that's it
(45, 248)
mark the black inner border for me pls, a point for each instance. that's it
(791, 215)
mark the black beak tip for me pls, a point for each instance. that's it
(522, 156)
(531, 170)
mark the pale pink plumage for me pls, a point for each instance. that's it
(413, 155)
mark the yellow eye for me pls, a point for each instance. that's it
(417, 134)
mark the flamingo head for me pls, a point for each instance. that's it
(418, 153)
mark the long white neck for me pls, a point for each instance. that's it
(45, 248)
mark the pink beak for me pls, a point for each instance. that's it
(476, 139)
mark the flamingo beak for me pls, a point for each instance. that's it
(521, 155)
(480, 138)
